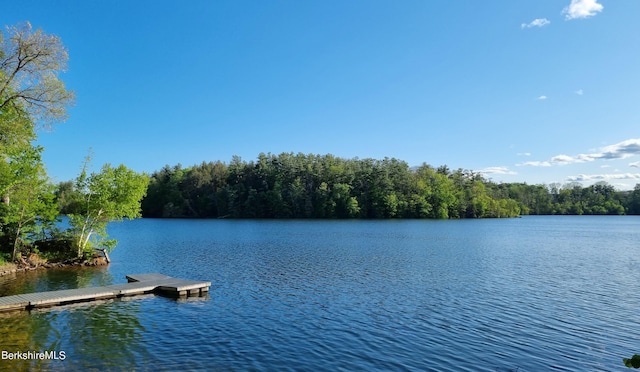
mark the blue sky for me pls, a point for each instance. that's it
(535, 91)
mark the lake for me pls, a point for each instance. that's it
(528, 294)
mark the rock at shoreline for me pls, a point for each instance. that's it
(34, 260)
(96, 261)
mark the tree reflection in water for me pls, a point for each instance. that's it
(54, 279)
(94, 336)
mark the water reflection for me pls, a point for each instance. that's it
(22, 332)
(100, 331)
(109, 335)
(106, 334)
(54, 279)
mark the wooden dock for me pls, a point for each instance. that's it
(137, 285)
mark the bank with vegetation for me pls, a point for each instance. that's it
(33, 96)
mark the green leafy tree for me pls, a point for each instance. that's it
(69, 200)
(441, 196)
(633, 362)
(30, 93)
(110, 195)
(346, 206)
(28, 199)
(166, 193)
(200, 186)
(16, 130)
(634, 200)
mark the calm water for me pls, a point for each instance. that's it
(532, 294)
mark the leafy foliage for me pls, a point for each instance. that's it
(28, 205)
(29, 91)
(314, 186)
(110, 195)
(633, 362)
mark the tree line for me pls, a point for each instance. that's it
(314, 186)
(324, 186)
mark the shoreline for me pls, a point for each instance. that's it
(34, 262)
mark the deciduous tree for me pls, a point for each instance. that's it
(110, 195)
(30, 62)
(28, 199)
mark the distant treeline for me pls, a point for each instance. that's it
(325, 186)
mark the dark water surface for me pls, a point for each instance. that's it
(529, 294)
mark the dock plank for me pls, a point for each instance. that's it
(133, 287)
(68, 295)
(138, 284)
(182, 285)
(147, 277)
(13, 302)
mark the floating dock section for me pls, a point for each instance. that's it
(137, 285)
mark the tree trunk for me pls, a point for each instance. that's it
(15, 244)
(17, 239)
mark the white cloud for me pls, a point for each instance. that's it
(524, 154)
(600, 177)
(535, 163)
(605, 166)
(567, 159)
(542, 98)
(635, 164)
(582, 9)
(497, 170)
(538, 22)
(620, 150)
(579, 92)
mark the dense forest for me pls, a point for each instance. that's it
(324, 186)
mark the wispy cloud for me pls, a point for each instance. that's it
(620, 150)
(538, 22)
(496, 170)
(600, 177)
(635, 164)
(582, 9)
(524, 154)
(579, 92)
(536, 163)
(542, 98)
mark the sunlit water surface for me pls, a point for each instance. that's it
(529, 294)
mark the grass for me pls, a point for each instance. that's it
(5, 262)
(4, 259)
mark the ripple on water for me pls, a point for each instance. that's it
(529, 294)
